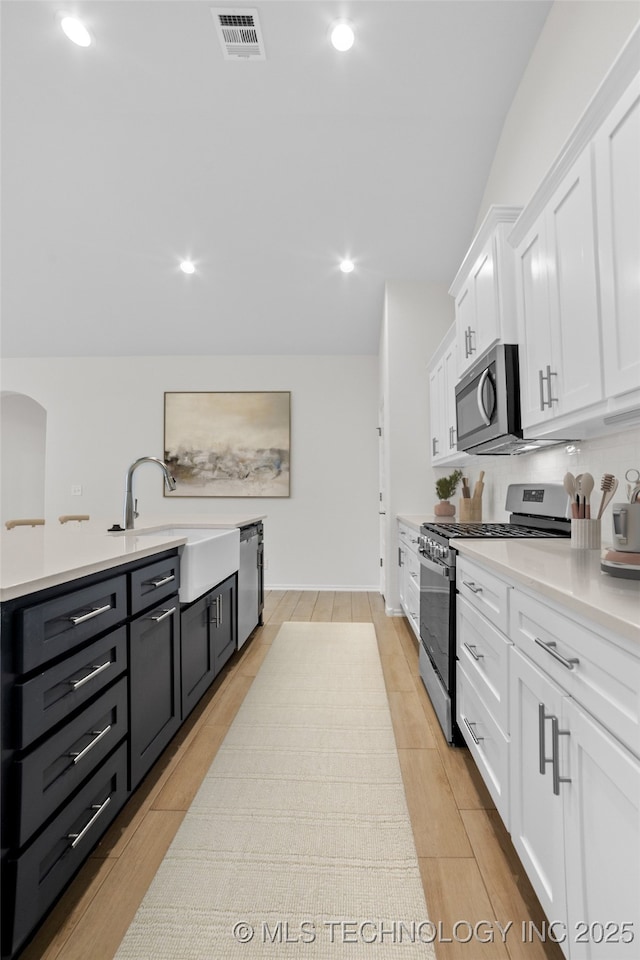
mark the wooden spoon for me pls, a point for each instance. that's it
(586, 489)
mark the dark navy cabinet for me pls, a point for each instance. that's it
(208, 639)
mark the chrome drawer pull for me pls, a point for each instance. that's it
(472, 586)
(217, 622)
(556, 733)
(99, 734)
(163, 615)
(471, 647)
(77, 837)
(542, 750)
(470, 726)
(94, 673)
(89, 616)
(161, 582)
(549, 647)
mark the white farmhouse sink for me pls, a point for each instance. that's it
(207, 557)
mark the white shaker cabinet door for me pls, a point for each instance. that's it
(558, 311)
(537, 828)
(617, 149)
(602, 827)
(534, 333)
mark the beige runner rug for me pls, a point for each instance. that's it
(298, 842)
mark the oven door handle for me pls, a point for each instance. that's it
(438, 568)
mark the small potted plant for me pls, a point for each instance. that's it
(445, 488)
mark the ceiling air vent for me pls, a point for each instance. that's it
(239, 33)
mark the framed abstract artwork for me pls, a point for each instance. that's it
(228, 444)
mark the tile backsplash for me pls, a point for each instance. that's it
(613, 454)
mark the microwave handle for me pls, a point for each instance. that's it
(481, 407)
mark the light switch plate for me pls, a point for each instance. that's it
(76, 490)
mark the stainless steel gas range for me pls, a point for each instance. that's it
(537, 510)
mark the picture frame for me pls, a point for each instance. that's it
(228, 443)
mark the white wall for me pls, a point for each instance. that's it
(416, 318)
(23, 429)
(577, 46)
(103, 413)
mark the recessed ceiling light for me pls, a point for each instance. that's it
(347, 266)
(187, 266)
(75, 31)
(342, 35)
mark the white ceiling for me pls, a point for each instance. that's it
(121, 159)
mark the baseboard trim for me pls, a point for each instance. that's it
(340, 588)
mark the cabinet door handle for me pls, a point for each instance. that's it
(77, 837)
(470, 726)
(94, 673)
(99, 734)
(543, 760)
(161, 582)
(473, 650)
(541, 376)
(89, 616)
(162, 616)
(217, 618)
(400, 564)
(434, 446)
(556, 733)
(541, 386)
(472, 349)
(472, 586)
(549, 646)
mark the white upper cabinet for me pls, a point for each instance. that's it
(577, 251)
(617, 156)
(558, 313)
(483, 289)
(442, 399)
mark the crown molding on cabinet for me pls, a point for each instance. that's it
(495, 216)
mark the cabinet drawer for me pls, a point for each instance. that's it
(408, 537)
(44, 869)
(412, 566)
(151, 584)
(412, 607)
(55, 627)
(597, 673)
(45, 700)
(50, 773)
(483, 652)
(484, 591)
(487, 743)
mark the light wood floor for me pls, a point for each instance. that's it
(469, 869)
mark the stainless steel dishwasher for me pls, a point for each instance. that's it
(250, 581)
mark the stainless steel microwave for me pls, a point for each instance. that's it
(488, 406)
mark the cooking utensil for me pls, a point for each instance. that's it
(465, 488)
(608, 485)
(479, 487)
(587, 484)
(579, 499)
(569, 483)
(633, 486)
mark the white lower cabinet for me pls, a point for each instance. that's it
(409, 575)
(550, 710)
(575, 817)
(536, 812)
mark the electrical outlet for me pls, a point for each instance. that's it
(76, 490)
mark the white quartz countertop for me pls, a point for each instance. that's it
(572, 578)
(34, 558)
(414, 521)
